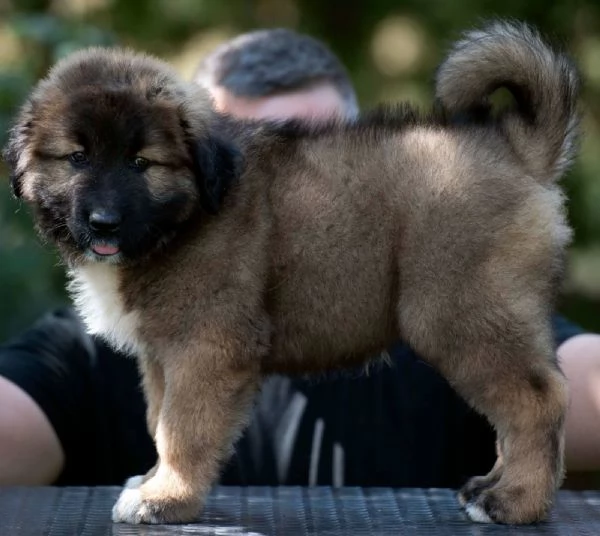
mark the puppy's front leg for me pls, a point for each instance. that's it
(153, 382)
(206, 402)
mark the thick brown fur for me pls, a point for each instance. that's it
(247, 249)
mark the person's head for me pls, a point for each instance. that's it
(277, 74)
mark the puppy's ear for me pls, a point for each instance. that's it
(217, 165)
(14, 153)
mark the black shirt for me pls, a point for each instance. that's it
(395, 425)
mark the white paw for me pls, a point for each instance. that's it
(477, 514)
(134, 482)
(130, 508)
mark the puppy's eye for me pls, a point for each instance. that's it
(78, 158)
(139, 163)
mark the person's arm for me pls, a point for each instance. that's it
(580, 361)
(44, 390)
(30, 452)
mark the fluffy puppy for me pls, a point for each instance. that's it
(218, 254)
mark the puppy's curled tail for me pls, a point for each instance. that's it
(544, 83)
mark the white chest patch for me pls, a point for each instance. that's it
(95, 291)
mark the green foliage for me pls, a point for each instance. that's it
(391, 48)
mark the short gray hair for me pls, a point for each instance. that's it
(267, 62)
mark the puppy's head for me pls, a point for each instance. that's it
(115, 154)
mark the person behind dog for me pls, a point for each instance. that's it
(72, 410)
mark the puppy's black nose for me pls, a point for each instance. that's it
(106, 221)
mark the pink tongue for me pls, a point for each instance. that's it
(105, 250)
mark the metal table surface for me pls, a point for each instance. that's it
(289, 511)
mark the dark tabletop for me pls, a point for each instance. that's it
(287, 511)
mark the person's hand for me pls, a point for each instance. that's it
(579, 358)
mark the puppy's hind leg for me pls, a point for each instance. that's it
(529, 420)
(503, 364)
(206, 402)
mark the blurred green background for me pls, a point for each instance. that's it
(391, 48)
